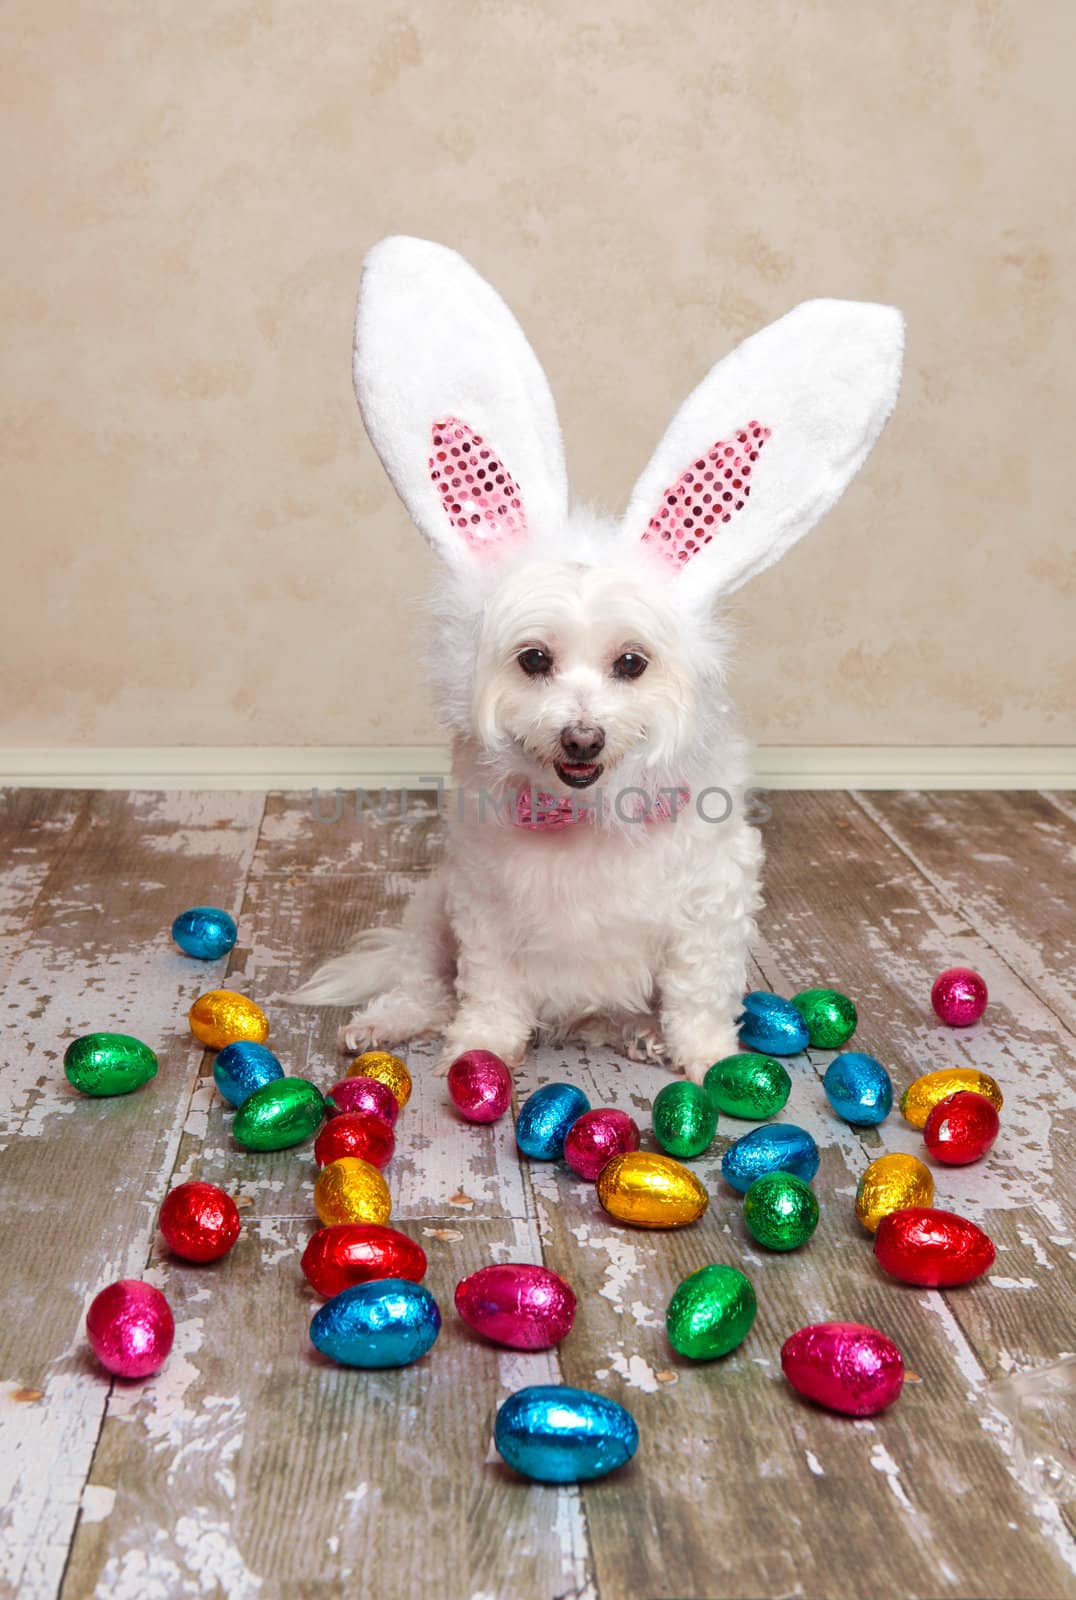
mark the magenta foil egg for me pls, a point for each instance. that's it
(845, 1366)
(959, 996)
(130, 1328)
(517, 1304)
(596, 1137)
(480, 1086)
(370, 1095)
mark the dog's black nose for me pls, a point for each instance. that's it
(582, 741)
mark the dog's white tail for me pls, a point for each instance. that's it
(369, 967)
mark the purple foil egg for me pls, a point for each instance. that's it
(363, 1094)
(596, 1137)
(517, 1304)
(845, 1366)
(480, 1086)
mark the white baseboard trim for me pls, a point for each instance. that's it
(372, 767)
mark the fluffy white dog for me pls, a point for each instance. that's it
(601, 873)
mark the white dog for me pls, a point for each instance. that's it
(601, 872)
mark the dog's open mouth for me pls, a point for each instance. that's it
(578, 774)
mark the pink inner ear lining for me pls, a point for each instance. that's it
(706, 495)
(480, 496)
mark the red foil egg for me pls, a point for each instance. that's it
(199, 1222)
(355, 1133)
(348, 1253)
(517, 1304)
(959, 996)
(480, 1086)
(130, 1328)
(596, 1137)
(961, 1128)
(363, 1094)
(845, 1366)
(934, 1249)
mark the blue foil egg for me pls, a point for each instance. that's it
(242, 1067)
(770, 1025)
(545, 1117)
(561, 1435)
(777, 1147)
(858, 1088)
(389, 1322)
(205, 932)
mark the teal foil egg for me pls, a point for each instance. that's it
(242, 1067)
(684, 1119)
(771, 1025)
(780, 1147)
(387, 1323)
(545, 1117)
(556, 1434)
(205, 932)
(858, 1088)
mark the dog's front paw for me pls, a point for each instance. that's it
(696, 1046)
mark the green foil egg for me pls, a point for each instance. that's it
(283, 1112)
(830, 1017)
(748, 1085)
(108, 1063)
(710, 1313)
(684, 1119)
(780, 1210)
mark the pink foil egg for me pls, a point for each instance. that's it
(596, 1137)
(959, 996)
(846, 1366)
(363, 1094)
(523, 1306)
(130, 1328)
(480, 1086)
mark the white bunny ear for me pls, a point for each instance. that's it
(455, 401)
(768, 442)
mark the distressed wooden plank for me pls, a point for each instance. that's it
(36, 829)
(82, 1178)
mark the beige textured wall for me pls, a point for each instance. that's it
(199, 544)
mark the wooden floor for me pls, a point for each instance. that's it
(251, 1468)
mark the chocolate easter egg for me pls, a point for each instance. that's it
(596, 1137)
(517, 1304)
(387, 1069)
(281, 1113)
(777, 1147)
(858, 1088)
(545, 1117)
(101, 1064)
(220, 1017)
(205, 932)
(780, 1211)
(199, 1222)
(351, 1190)
(710, 1313)
(242, 1067)
(845, 1366)
(356, 1133)
(748, 1085)
(363, 1094)
(556, 1434)
(961, 1128)
(935, 1249)
(830, 1017)
(388, 1322)
(891, 1183)
(480, 1086)
(651, 1191)
(347, 1253)
(130, 1328)
(920, 1098)
(770, 1025)
(684, 1119)
(959, 996)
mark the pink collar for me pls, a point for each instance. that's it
(545, 813)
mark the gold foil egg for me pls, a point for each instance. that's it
(920, 1098)
(351, 1190)
(222, 1017)
(890, 1184)
(651, 1191)
(387, 1069)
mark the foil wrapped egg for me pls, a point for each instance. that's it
(363, 1094)
(283, 1112)
(845, 1366)
(351, 1190)
(830, 1017)
(199, 1222)
(517, 1304)
(356, 1133)
(480, 1086)
(920, 1098)
(771, 1025)
(220, 1017)
(389, 1322)
(130, 1328)
(748, 1085)
(387, 1069)
(684, 1119)
(101, 1064)
(651, 1191)
(778, 1147)
(556, 1434)
(891, 1183)
(242, 1067)
(205, 932)
(545, 1117)
(710, 1313)
(959, 996)
(961, 1128)
(596, 1137)
(934, 1249)
(347, 1253)
(858, 1088)
(780, 1211)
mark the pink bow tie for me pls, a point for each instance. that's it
(543, 813)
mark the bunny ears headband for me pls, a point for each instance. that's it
(460, 412)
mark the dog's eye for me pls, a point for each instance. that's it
(630, 665)
(535, 663)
